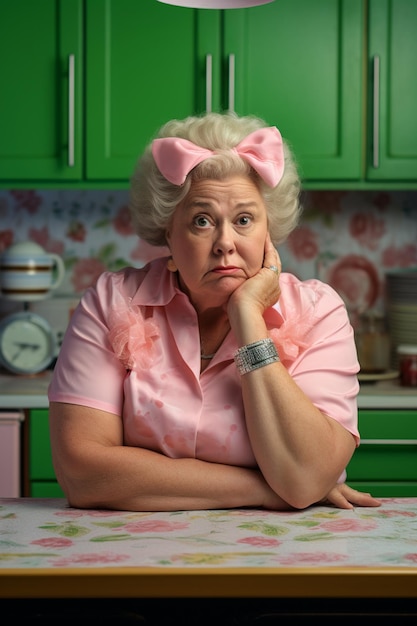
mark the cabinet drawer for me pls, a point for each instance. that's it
(383, 462)
(388, 448)
(388, 424)
(40, 456)
(386, 489)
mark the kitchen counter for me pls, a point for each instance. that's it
(30, 392)
(387, 394)
(24, 392)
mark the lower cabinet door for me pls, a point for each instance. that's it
(45, 489)
(42, 479)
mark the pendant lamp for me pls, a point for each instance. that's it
(216, 4)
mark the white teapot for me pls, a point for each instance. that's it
(28, 272)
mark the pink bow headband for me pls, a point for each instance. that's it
(262, 149)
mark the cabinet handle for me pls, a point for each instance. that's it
(389, 442)
(71, 100)
(375, 162)
(209, 82)
(231, 82)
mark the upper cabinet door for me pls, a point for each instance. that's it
(298, 64)
(144, 66)
(392, 134)
(41, 75)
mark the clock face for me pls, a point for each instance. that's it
(26, 343)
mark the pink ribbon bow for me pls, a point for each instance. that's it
(262, 149)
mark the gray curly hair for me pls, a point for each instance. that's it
(153, 199)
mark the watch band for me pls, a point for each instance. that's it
(255, 355)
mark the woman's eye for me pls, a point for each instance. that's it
(244, 220)
(201, 221)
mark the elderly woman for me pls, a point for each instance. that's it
(208, 379)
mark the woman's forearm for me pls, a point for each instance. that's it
(300, 451)
(125, 478)
(96, 470)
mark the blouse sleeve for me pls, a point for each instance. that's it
(87, 371)
(325, 365)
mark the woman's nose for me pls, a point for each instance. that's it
(224, 240)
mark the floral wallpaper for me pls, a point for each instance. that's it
(347, 238)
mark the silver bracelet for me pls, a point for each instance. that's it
(255, 355)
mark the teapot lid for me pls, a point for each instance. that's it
(24, 248)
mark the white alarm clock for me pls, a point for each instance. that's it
(27, 343)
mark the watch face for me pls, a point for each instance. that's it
(26, 343)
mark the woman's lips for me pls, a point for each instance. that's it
(225, 270)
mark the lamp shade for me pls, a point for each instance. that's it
(216, 4)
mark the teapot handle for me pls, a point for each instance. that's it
(60, 271)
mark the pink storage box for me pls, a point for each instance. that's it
(10, 461)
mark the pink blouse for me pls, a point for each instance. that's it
(132, 348)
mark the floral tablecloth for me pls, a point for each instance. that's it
(47, 533)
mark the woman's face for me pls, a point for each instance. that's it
(217, 238)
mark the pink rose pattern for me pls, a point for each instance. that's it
(29, 200)
(122, 222)
(304, 243)
(85, 273)
(66, 537)
(367, 230)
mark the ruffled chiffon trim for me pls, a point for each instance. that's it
(289, 337)
(132, 337)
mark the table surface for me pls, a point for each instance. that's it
(48, 549)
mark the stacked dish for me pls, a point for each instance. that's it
(401, 295)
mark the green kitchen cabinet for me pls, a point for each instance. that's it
(138, 64)
(42, 480)
(298, 65)
(145, 63)
(101, 76)
(88, 82)
(392, 90)
(385, 464)
(262, 60)
(41, 75)
(312, 77)
(340, 83)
